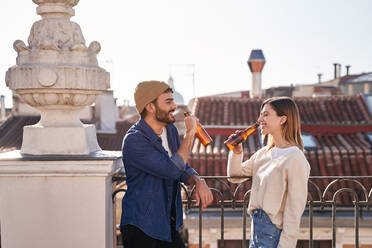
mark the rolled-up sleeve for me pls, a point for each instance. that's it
(187, 174)
(178, 161)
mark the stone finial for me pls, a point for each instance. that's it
(57, 74)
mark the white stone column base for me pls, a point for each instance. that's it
(57, 201)
(38, 140)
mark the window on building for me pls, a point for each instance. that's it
(369, 136)
(368, 100)
(344, 89)
(358, 88)
(309, 141)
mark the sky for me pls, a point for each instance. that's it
(205, 44)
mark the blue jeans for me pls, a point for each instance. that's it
(264, 234)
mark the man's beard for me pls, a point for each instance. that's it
(163, 116)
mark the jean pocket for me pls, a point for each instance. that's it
(267, 237)
(266, 233)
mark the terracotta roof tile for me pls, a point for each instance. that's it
(11, 131)
(340, 110)
(113, 141)
(364, 109)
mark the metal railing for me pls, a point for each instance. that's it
(331, 192)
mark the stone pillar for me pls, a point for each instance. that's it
(56, 191)
(59, 201)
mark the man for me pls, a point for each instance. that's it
(155, 162)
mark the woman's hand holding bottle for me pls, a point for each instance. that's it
(239, 147)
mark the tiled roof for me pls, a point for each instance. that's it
(329, 110)
(11, 131)
(113, 141)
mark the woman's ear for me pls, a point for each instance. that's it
(283, 119)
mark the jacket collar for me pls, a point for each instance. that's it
(148, 131)
(154, 138)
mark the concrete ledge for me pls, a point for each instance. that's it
(103, 163)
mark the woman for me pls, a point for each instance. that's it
(279, 173)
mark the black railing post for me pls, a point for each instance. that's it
(311, 224)
(333, 224)
(222, 223)
(245, 203)
(356, 224)
(200, 225)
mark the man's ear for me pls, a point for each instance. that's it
(150, 107)
(283, 119)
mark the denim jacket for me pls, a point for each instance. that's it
(151, 179)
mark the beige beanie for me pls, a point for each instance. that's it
(148, 91)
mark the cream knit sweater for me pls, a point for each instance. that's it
(279, 187)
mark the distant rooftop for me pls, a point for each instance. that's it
(362, 78)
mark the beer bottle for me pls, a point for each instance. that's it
(240, 136)
(202, 135)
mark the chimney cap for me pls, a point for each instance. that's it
(256, 54)
(256, 61)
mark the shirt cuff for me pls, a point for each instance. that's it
(187, 174)
(178, 161)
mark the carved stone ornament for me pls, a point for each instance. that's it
(56, 72)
